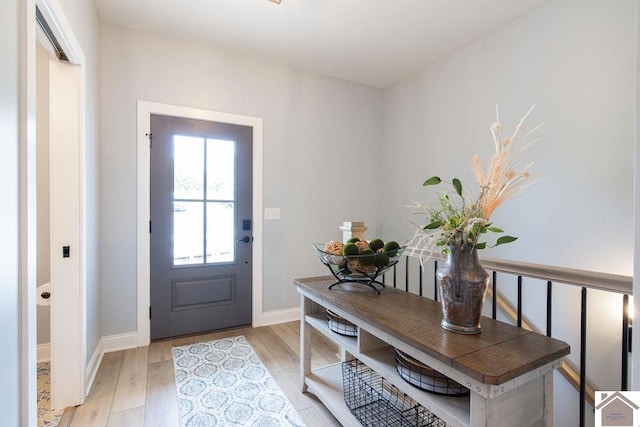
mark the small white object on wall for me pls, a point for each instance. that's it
(43, 294)
(272, 213)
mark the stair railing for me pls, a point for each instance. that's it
(585, 280)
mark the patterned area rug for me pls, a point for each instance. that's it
(223, 383)
(46, 417)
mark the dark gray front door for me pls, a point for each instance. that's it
(201, 230)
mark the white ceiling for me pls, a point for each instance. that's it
(375, 42)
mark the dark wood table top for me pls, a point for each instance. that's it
(498, 354)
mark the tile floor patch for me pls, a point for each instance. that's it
(46, 417)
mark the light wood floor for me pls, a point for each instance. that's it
(137, 388)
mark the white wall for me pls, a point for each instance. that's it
(9, 226)
(322, 141)
(574, 60)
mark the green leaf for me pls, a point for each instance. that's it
(457, 185)
(434, 180)
(433, 225)
(481, 245)
(495, 229)
(505, 239)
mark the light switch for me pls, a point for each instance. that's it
(271, 213)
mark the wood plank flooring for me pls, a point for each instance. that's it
(137, 388)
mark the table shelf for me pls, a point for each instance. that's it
(509, 371)
(453, 410)
(326, 384)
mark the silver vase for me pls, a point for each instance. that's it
(462, 287)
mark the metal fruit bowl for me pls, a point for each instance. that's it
(361, 268)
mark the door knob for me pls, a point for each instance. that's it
(246, 239)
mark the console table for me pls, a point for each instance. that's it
(508, 370)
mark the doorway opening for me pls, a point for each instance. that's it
(60, 186)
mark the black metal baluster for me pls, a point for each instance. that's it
(395, 272)
(549, 307)
(435, 280)
(625, 342)
(406, 274)
(583, 353)
(494, 309)
(519, 301)
(420, 276)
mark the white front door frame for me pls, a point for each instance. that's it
(145, 110)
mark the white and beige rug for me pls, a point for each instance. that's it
(224, 383)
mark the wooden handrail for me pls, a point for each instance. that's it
(589, 279)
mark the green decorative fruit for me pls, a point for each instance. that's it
(391, 247)
(367, 257)
(353, 240)
(382, 259)
(350, 249)
(376, 244)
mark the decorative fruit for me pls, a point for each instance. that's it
(367, 257)
(334, 247)
(382, 259)
(350, 249)
(353, 240)
(362, 245)
(391, 247)
(356, 266)
(376, 244)
(333, 250)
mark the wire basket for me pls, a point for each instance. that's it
(340, 325)
(425, 378)
(376, 402)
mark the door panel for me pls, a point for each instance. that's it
(201, 196)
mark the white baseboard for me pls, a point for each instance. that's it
(280, 316)
(129, 340)
(93, 365)
(43, 352)
(120, 342)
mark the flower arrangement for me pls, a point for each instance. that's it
(467, 218)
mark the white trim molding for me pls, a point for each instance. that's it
(43, 352)
(119, 342)
(635, 356)
(92, 367)
(145, 109)
(280, 316)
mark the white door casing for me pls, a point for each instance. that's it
(67, 215)
(145, 109)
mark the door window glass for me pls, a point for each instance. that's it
(188, 167)
(220, 233)
(203, 200)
